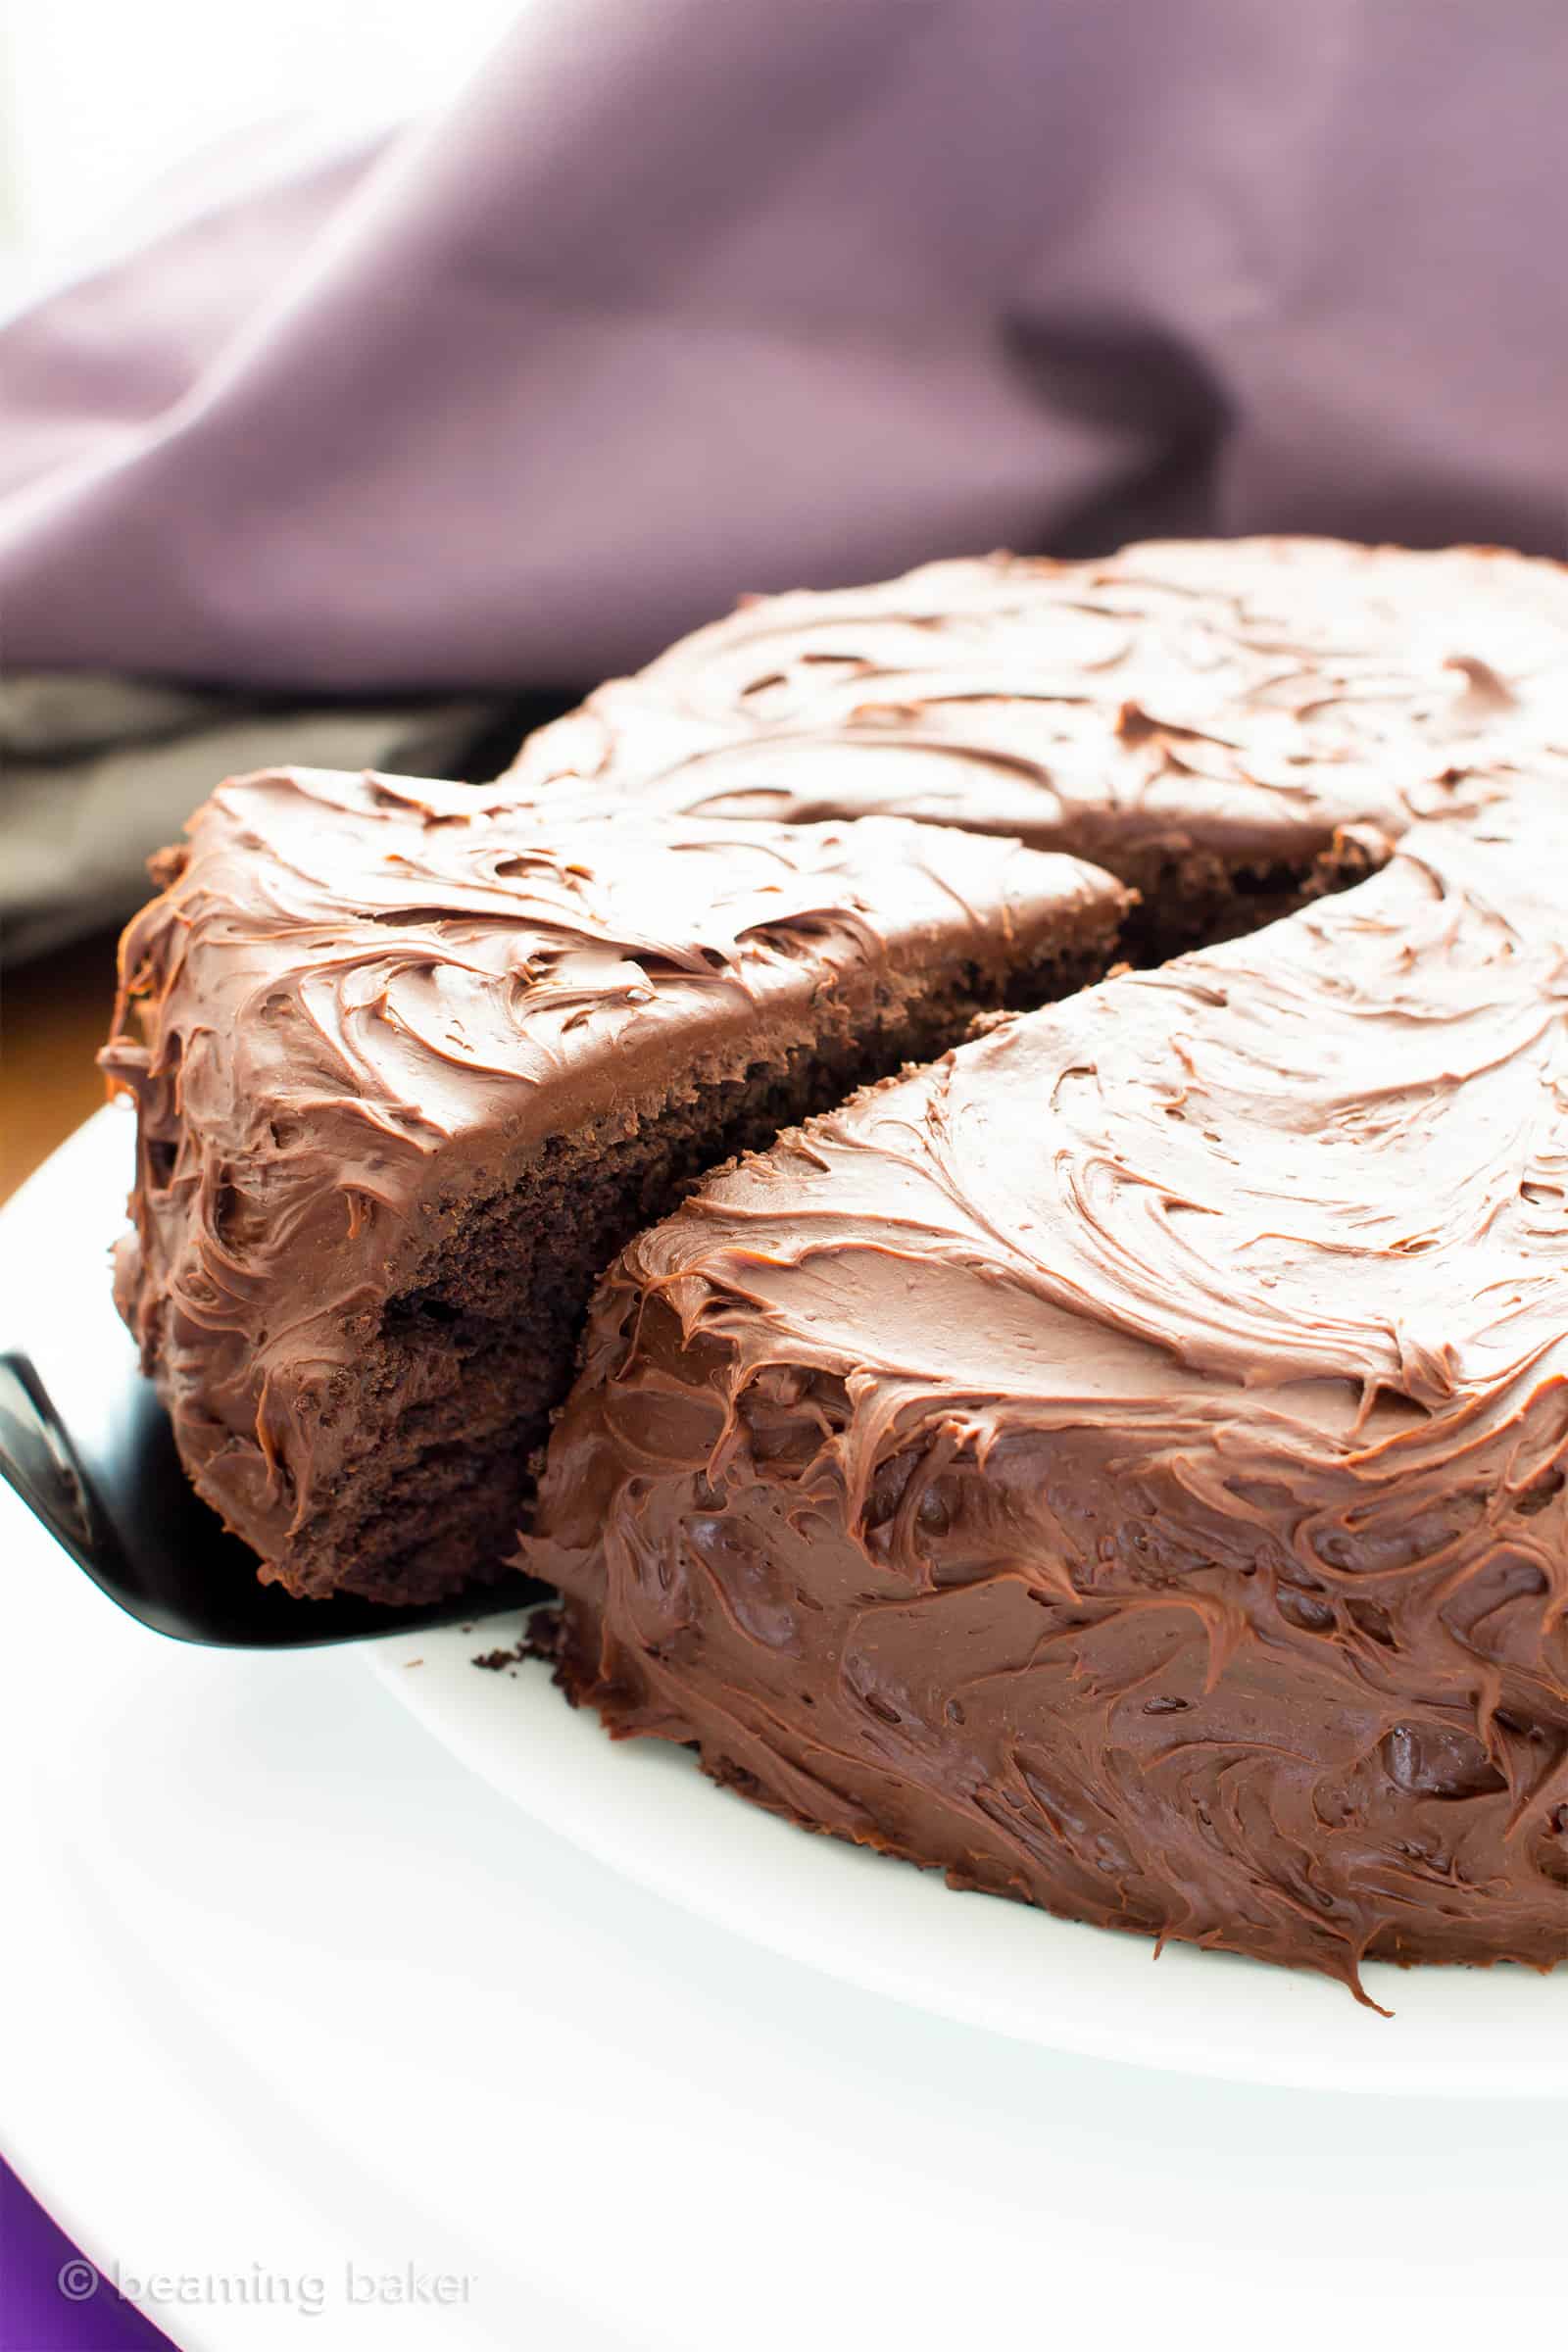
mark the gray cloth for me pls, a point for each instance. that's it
(100, 771)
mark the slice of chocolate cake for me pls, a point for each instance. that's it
(1123, 1466)
(412, 1061)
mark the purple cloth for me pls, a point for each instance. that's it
(683, 297)
(53, 2300)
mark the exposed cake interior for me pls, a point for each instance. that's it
(489, 1329)
(456, 1392)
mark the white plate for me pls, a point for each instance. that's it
(283, 1987)
(645, 1809)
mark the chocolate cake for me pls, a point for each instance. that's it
(412, 1061)
(1122, 1462)
(1124, 1465)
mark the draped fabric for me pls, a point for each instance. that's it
(686, 297)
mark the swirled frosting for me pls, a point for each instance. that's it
(1124, 1464)
(1241, 699)
(364, 1004)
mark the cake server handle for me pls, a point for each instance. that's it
(38, 1462)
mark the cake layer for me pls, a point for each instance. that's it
(412, 1061)
(1204, 719)
(1124, 1465)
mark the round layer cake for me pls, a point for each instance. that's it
(1123, 1463)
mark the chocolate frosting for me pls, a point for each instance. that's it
(1124, 1464)
(361, 999)
(1242, 698)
